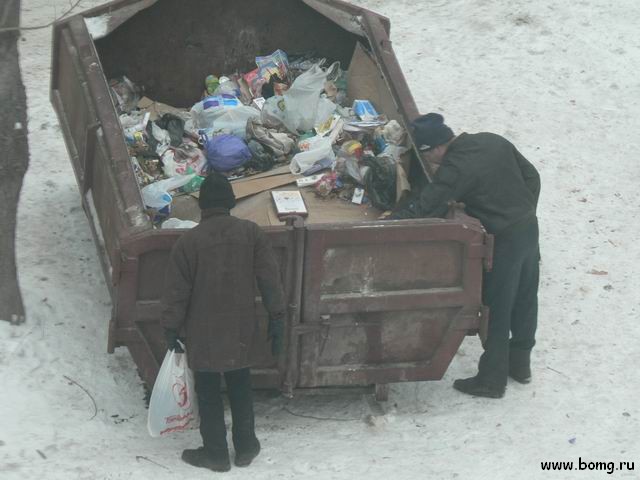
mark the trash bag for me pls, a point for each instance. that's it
(234, 121)
(273, 112)
(231, 120)
(320, 148)
(156, 195)
(325, 111)
(380, 182)
(178, 161)
(158, 139)
(226, 152)
(278, 143)
(302, 99)
(173, 406)
(174, 125)
(261, 160)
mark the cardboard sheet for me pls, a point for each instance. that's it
(157, 109)
(274, 171)
(251, 187)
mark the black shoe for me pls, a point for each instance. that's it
(244, 457)
(520, 374)
(520, 365)
(217, 461)
(477, 388)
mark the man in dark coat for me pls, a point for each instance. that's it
(209, 295)
(500, 188)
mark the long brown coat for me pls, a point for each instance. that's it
(209, 289)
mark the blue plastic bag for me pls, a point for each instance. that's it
(226, 152)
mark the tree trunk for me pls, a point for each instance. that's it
(14, 158)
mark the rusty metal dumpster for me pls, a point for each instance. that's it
(370, 303)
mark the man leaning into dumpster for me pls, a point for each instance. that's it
(500, 188)
(209, 295)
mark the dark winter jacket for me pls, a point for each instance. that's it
(486, 173)
(209, 289)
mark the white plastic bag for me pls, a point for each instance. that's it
(302, 99)
(156, 195)
(177, 223)
(222, 113)
(173, 406)
(319, 148)
(234, 120)
(325, 111)
(272, 114)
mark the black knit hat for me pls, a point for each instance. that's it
(216, 192)
(429, 131)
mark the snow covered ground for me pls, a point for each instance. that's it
(557, 78)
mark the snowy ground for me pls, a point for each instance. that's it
(557, 78)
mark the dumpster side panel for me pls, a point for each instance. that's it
(94, 142)
(139, 306)
(388, 303)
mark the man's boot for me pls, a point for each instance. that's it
(478, 388)
(216, 460)
(519, 365)
(246, 451)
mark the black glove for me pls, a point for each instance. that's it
(171, 337)
(275, 332)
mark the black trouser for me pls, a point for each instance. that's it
(212, 426)
(511, 293)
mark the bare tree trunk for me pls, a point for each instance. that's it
(14, 158)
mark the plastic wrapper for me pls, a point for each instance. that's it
(328, 184)
(319, 148)
(177, 223)
(125, 93)
(227, 87)
(277, 62)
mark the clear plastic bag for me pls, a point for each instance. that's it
(173, 406)
(273, 112)
(325, 111)
(156, 195)
(228, 116)
(302, 99)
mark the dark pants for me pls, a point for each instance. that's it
(212, 426)
(511, 293)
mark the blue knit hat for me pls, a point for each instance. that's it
(429, 131)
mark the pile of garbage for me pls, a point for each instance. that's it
(287, 111)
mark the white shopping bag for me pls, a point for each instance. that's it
(174, 405)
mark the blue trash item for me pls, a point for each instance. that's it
(365, 110)
(226, 152)
(322, 164)
(223, 100)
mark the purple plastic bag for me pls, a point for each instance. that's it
(226, 152)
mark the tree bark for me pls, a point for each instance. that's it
(14, 158)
